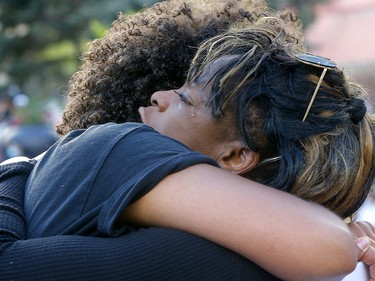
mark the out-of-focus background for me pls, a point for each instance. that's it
(41, 42)
(40, 45)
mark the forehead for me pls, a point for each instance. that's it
(204, 81)
(211, 69)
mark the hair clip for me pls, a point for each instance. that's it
(320, 62)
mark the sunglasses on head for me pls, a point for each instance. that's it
(320, 62)
(316, 61)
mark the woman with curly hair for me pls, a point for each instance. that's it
(147, 52)
(257, 108)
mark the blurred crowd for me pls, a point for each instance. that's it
(17, 137)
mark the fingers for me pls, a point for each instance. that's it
(363, 228)
(372, 272)
(367, 254)
(364, 232)
(365, 250)
(367, 228)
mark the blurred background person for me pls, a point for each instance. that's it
(19, 137)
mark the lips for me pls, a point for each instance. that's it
(141, 111)
(145, 112)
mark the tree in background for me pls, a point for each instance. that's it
(41, 40)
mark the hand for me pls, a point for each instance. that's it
(364, 233)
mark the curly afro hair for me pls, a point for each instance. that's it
(146, 52)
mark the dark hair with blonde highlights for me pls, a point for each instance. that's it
(147, 52)
(329, 158)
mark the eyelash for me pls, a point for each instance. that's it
(183, 98)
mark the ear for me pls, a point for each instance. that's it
(238, 159)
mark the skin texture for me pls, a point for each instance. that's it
(183, 114)
(270, 247)
(171, 115)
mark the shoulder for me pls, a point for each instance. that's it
(138, 135)
(117, 127)
(104, 130)
(114, 131)
(104, 136)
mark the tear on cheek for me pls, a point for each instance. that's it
(193, 111)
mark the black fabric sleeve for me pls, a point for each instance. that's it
(148, 254)
(152, 254)
(13, 179)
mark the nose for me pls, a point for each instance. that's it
(161, 99)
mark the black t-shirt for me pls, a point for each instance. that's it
(155, 254)
(84, 181)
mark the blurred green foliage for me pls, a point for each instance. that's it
(41, 41)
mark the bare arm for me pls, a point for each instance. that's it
(289, 237)
(152, 253)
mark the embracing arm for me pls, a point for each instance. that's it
(57, 257)
(289, 237)
(151, 254)
(148, 254)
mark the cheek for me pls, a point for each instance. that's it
(177, 125)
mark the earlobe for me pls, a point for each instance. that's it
(239, 160)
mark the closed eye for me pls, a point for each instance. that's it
(183, 98)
